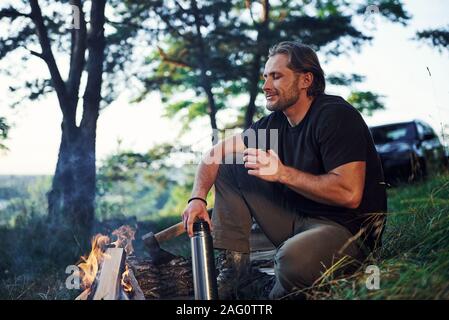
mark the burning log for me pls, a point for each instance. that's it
(110, 272)
(137, 291)
(105, 274)
(109, 284)
(173, 280)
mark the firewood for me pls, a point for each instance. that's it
(83, 295)
(137, 293)
(109, 283)
(172, 280)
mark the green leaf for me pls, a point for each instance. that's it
(438, 38)
(366, 102)
(4, 129)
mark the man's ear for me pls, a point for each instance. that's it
(306, 80)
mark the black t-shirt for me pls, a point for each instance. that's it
(331, 134)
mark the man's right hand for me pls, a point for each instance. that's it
(195, 210)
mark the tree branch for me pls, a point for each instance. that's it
(266, 11)
(167, 59)
(37, 54)
(169, 25)
(249, 7)
(8, 45)
(180, 7)
(12, 13)
(131, 25)
(96, 46)
(47, 54)
(202, 62)
(77, 59)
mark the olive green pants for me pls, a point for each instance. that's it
(306, 247)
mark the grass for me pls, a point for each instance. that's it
(414, 260)
(49, 287)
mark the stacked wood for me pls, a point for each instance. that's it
(173, 280)
(137, 293)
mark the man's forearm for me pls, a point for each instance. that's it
(320, 188)
(204, 179)
(207, 171)
(208, 168)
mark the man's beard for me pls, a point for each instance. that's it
(285, 102)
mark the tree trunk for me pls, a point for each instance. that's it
(253, 91)
(205, 81)
(262, 38)
(71, 199)
(211, 102)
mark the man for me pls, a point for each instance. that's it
(317, 192)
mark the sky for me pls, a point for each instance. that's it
(394, 65)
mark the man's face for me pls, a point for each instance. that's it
(281, 85)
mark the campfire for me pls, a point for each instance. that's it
(112, 271)
(105, 273)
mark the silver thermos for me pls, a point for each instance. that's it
(203, 265)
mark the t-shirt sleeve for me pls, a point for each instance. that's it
(341, 136)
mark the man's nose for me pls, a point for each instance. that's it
(267, 85)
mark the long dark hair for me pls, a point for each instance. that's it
(302, 58)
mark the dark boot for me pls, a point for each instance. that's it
(232, 267)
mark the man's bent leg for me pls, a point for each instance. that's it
(302, 259)
(238, 196)
(231, 217)
(268, 205)
(232, 226)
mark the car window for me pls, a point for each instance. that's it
(425, 130)
(421, 130)
(429, 131)
(394, 132)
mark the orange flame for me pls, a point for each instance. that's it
(127, 287)
(90, 264)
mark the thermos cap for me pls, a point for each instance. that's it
(201, 225)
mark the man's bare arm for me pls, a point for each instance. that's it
(342, 186)
(208, 168)
(205, 178)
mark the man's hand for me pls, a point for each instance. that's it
(262, 164)
(196, 209)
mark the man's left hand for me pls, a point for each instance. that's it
(262, 164)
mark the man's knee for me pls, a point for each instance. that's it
(294, 268)
(302, 259)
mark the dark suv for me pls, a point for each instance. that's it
(408, 150)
